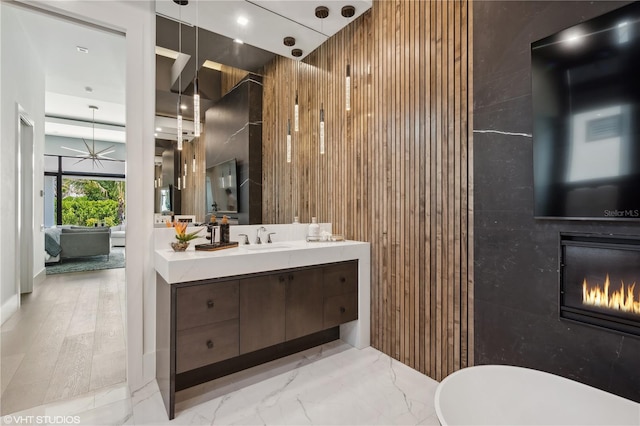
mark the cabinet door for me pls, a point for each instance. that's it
(340, 293)
(304, 312)
(262, 312)
(200, 346)
(206, 304)
(341, 278)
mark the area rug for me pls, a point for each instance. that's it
(90, 263)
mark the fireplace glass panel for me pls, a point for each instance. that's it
(600, 282)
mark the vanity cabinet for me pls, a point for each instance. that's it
(211, 328)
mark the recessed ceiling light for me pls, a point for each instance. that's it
(322, 12)
(237, 40)
(289, 41)
(88, 89)
(348, 11)
(296, 52)
(158, 129)
(242, 21)
(82, 49)
(183, 106)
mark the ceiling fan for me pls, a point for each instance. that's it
(91, 153)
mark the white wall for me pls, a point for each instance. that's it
(137, 20)
(22, 81)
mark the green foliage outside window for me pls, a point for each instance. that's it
(91, 202)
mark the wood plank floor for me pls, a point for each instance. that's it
(66, 340)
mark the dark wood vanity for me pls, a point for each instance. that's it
(210, 328)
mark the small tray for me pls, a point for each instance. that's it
(331, 239)
(216, 246)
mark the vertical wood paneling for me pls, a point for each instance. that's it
(396, 171)
(193, 199)
(229, 77)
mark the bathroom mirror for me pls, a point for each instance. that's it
(221, 188)
(220, 65)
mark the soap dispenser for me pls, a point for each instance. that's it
(314, 228)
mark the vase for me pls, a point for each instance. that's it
(179, 246)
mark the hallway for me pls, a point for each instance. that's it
(67, 339)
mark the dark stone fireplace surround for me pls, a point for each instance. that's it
(516, 271)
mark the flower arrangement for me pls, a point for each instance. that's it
(181, 231)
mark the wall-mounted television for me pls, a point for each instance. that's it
(586, 109)
(221, 188)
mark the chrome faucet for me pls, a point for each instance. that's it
(261, 229)
(246, 238)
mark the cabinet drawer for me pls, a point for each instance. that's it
(206, 304)
(340, 279)
(340, 309)
(205, 345)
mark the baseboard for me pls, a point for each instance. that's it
(8, 308)
(40, 277)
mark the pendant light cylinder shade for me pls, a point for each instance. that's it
(296, 115)
(288, 141)
(348, 89)
(179, 131)
(321, 130)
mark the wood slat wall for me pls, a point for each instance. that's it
(230, 76)
(193, 199)
(396, 171)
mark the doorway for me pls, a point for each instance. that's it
(68, 337)
(24, 202)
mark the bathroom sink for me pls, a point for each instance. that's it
(265, 246)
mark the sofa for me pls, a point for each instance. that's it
(118, 234)
(75, 241)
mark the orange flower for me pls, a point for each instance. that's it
(181, 232)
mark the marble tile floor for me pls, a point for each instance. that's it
(66, 340)
(333, 384)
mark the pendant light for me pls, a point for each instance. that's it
(296, 114)
(288, 140)
(179, 111)
(91, 153)
(196, 94)
(321, 129)
(348, 88)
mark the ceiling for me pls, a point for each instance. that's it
(85, 65)
(267, 21)
(70, 74)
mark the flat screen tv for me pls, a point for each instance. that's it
(586, 130)
(221, 188)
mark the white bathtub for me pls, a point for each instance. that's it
(506, 395)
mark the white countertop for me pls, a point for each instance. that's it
(192, 265)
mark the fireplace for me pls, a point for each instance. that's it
(600, 281)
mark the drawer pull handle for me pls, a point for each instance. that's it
(290, 277)
(342, 279)
(342, 310)
(281, 278)
(209, 344)
(209, 304)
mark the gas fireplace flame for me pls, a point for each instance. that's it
(620, 300)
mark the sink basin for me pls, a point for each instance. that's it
(265, 247)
